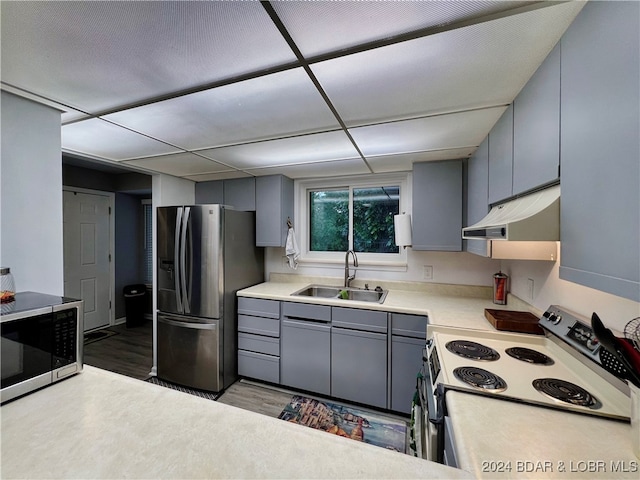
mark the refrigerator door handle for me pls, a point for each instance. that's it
(198, 326)
(183, 259)
(176, 256)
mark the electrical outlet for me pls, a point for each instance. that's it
(427, 272)
(530, 288)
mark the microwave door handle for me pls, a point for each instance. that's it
(176, 255)
(183, 259)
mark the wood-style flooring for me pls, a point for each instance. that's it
(129, 353)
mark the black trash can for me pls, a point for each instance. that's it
(135, 300)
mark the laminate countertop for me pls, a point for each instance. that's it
(501, 439)
(452, 305)
(99, 424)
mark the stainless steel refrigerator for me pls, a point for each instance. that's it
(206, 253)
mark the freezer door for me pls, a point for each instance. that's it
(189, 352)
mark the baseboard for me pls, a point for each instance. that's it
(120, 321)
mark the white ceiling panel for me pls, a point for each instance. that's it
(308, 148)
(404, 162)
(476, 66)
(279, 104)
(98, 138)
(318, 169)
(207, 177)
(100, 55)
(317, 29)
(464, 129)
(179, 164)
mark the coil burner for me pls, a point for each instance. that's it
(472, 350)
(566, 392)
(480, 378)
(530, 356)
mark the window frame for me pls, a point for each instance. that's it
(303, 222)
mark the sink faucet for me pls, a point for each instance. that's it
(347, 277)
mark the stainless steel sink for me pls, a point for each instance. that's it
(350, 293)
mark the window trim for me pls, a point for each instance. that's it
(302, 220)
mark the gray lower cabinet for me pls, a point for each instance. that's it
(259, 339)
(359, 356)
(306, 347)
(408, 336)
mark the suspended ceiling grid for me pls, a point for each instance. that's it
(220, 89)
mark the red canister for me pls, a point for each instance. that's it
(500, 288)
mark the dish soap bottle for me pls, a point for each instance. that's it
(7, 286)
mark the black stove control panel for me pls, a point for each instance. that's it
(571, 328)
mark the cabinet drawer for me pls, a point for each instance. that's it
(259, 325)
(409, 325)
(259, 366)
(321, 313)
(259, 307)
(259, 344)
(356, 319)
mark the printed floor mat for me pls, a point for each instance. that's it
(362, 425)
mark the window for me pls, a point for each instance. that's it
(356, 217)
(147, 210)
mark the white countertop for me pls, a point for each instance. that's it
(503, 439)
(453, 305)
(99, 424)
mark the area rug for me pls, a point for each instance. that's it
(364, 426)
(180, 388)
(98, 335)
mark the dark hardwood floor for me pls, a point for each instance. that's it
(129, 352)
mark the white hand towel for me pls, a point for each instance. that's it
(292, 251)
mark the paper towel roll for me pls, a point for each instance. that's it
(402, 227)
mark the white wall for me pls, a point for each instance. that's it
(550, 289)
(166, 191)
(31, 195)
(458, 268)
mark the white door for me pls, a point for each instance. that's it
(86, 254)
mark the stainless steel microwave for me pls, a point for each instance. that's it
(42, 339)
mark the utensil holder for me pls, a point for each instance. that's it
(635, 419)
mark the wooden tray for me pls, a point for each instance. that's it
(512, 321)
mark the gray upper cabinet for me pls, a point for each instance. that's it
(501, 158)
(437, 206)
(478, 194)
(274, 205)
(240, 193)
(536, 127)
(600, 149)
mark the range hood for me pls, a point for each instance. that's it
(533, 217)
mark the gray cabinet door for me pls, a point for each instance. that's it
(536, 127)
(240, 193)
(501, 158)
(359, 366)
(406, 360)
(274, 204)
(478, 194)
(600, 148)
(305, 355)
(437, 206)
(208, 193)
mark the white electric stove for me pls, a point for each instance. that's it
(559, 370)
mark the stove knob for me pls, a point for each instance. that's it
(546, 315)
(558, 320)
(552, 318)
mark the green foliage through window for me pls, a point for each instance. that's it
(372, 210)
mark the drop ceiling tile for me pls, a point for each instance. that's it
(100, 55)
(319, 169)
(179, 164)
(206, 177)
(294, 150)
(321, 27)
(98, 138)
(279, 104)
(404, 162)
(475, 66)
(439, 132)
